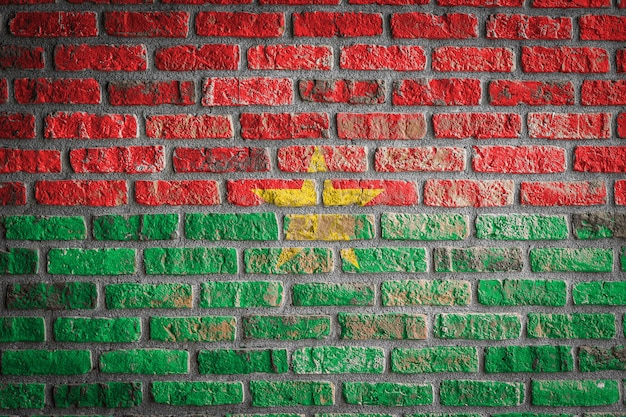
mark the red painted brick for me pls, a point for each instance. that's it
(620, 192)
(533, 93)
(481, 3)
(603, 93)
(12, 194)
(423, 159)
(570, 4)
(54, 24)
(565, 59)
(333, 159)
(621, 125)
(151, 93)
(240, 25)
(379, 57)
(177, 193)
(147, 24)
(381, 126)
(575, 193)
(188, 126)
(221, 160)
(127, 160)
(600, 158)
(620, 57)
(519, 159)
(57, 91)
(468, 193)
(241, 192)
(97, 193)
(299, 2)
(21, 57)
(207, 1)
(477, 125)
(3, 2)
(193, 58)
(90, 126)
(113, 1)
(470, 59)
(602, 28)
(392, 193)
(284, 125)
(390, 2)
(331, 24)
(4, 90)
(437, 92)
(17, 126)
(522, 27)
(29, 160)
(247, 91)
(343, 91)
(100, 57)
(569, 125)
(290, 57)
(430, 26)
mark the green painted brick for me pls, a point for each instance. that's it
(193, 329)
(190, 261)
(73, 261)
(529, 359)
(266, 415)
(522, 292)
(97, 329)
(328, 227)
(333, 294)
(393, 326)
(288, 260)
(521, 227)
(622, 258)
(352, 415)
(388, 394)
(591, 358)
(46, 362)
(397, 226)
(17, 395)
(383, 260)
(443, 415)
(426, 292)
(571, 326)
(52, 296)
(532, 415)
(243, 361)
(611, 293)
(231, 226)
(434, 359)
(568, 393)
(571, 260)
(18, 261)
(104, 394)
(145, 361)
(477, 259)
(478, 326)
(290, 393)
(481, 393)
(131, 295)
(241, 294)
(22, 329)
(287, 327)
(198, 393)
(136, 227)
(45, 228)
(338, 360)
(599, 225)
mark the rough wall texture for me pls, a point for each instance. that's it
(378, 207)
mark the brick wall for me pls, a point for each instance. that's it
(373, 208)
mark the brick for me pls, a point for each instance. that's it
(611, 293)
(468, 193)
(18, 261)
(241, 294)
(46, 362)
(322, 159)
(44, 228)
(389, 2)
(100, 57)
(603, 93)
(188, 126)
(207, 1)
(366, 57)
(299, 2)
(197, 393)
(193, 329)
(74, 261)
(197, 58)
(290, 260)
(145, 361)
(430, 26)
(593, 359)
(481, 393)
(481, 3)
(383, 260)
(131, 295)
(52, 296)
(12, 194)
(522, 292)
(177, 193)
(521, 227)
(600, 159)
(19, 395)
(247, 91)
(4, 91)
(343, 91)
(279, 192)
(221, 160)
(434, 359)
(422, 159)
(569, 125)
(106, 394)
(387, 394)
(54, 24)
(242, 361)
(334, 24)
(138, 227)
(621, 124)
(17, 126)
(401, 226)
(122, 159)
(62, 125)
(231, 226)
(571, 326)
(111, 1)
(574, 193)
(529, 359)
(381, 126)
(288, 393)
(277, 126)
(477, 125)
(518, 159)
(390, 326)
(22, 329)
(241, 25)
(598, 225)
(29, 160)
(333, 294)
(524, 27)
(602, 27)
(420, 292)
(619, 188)
(338, 360)
(287, 327)
(478, 326)
(437, 92)
(104, 330)
(369, 193)
(151, 93)
(329, 227)
(571, 260)
(565, 59)
(290, 57)
(532, 93)
(21, 57)
(566, 4)
(570, 393)
(56, 91)
(471, 59)
(147, 24)
(190, 261)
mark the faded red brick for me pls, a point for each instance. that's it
(80, 125)
(570, 4)
(621, 125)
(221, 160)
(620, 57)
(477, 125)
(57, 91)
(151, 93)
(390, 192)
(322, 159)
(429, 26)
(575, 193)
(437, 92)
(247, 91)
(565, 59)
(4, 90)
(468, 193)
(332, 24)
(600, 159)
(299, 2)
(602, 27)
(193, 58)
(533, 93)
(619, 191)
(290, 57)
(29, 160)
(381, 126)
(470, 59)
(147, 24)
(127, 160)
(343, 91)
(54, 24)
(100, 57)
(21, 57)
(603, 93)
(276, 126)
(240, 25)
(177, 193)
(569, 125)
(390, 2)
(518, 159)
(98, 193)
(188, 126)
(224, 2)
(3, 2)
(523, 27)
(17, 126)
(422, 159)
(12, 194)
(481, 3)
(380, 57)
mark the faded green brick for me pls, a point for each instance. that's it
(394, 326)
(521, 227)
(387, 394)
(397, 226)
(599, 225)
(97, 329)
(266, 415)
(477, 259)
(426, 292)
(45, 228)
(243, 361)
(199, 393)
(288, 260)
(18, 261)
(338, 360)
(622, 258)
(333, 294)
(231, 226)
(522, 292)
(532, 415)
(145, 361)
(571, 260)
(529, 359)
(52, 296)
(609, 293)
(75, 261)
(16, 395)
(481, 393)
(352, 415)
(383, 260)
(289, 393)
(193, 329)
(478, 326)
(288, 327)
(571, 326)
(104, 394)
(130, 295)
(22, 329)
(190, 261)
(446, 415)
(241, 294)
(136, 227)
(591, 359)
(46, 362)
(329, 227)
(434, 359)
(568, 393)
